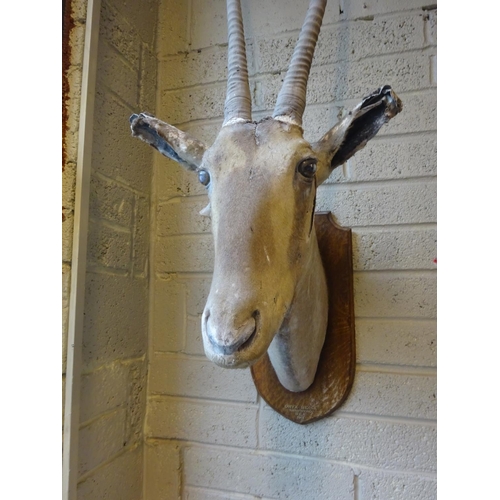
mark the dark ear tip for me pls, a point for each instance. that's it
(133, 117)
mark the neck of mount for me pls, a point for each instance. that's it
(296, 348)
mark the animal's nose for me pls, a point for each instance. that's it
(226, 339)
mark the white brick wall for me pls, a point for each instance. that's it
(208, 434)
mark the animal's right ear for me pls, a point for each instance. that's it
(168, 140)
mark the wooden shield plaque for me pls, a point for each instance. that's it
(335, 373)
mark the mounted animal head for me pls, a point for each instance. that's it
(261, 178)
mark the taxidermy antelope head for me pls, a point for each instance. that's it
(268, 292)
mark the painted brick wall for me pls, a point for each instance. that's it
(208, 434)
(113, 389)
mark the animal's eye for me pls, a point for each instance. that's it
(307, 167)
(204, 177)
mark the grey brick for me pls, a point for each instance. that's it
(216, 423)
(353, 10)
(194, 342)
(100, 440)
(142, 15)
(272, 476)
(379, 485)
(393, 395)
(430, 19)
(401, 248)
(116, 319)
(400, 342)
(371, 442)
(109, 246)
(380, 204)
(191, 253)
(199, 378)
(148, 77)
(386, 295)
(116, 75)
(118, 31)
(162, 471)
(103, 390)
(182, 216)
(121, 478)
(172, 27)
(169, 315)
(110, 201)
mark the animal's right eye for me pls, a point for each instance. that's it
(204, 177)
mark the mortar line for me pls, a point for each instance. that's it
(156, 397)
(419, 371)
(301, 457)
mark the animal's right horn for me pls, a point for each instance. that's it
(238, 106)
(291, 100)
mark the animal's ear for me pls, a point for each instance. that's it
(353, 132)
(168, 140)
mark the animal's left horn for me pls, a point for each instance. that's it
(291, 100)
(238, 104)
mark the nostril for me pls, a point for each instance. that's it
(228, 339)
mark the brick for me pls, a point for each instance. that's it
(231, 424)
(206, 132)
(193, 68)
(114, 73)
(115, 153)
(401, 248)
(76, 42)
(353, 10)
(110, 201)
(169, 315)
(380, 204)
(193, 493)
(317, 120)
(103, 390)
(347, 41)
(393, 395)
(109, 246)
(100, 440)
(116, 319)
(182, 216)
(121, 478)
(430, 27)
(178, 106)
(378, 485)
(142, 15)
(400, 342)
(198, 289)
(394, 158)
(78, 10)
(272, 476)
(348, 80)
(387, 445)
(118, 31)
(136, 402)
(189, 253)
(140, 237)
(162, 470)
(68, 185)
(172, 27)
(386, 295)
(194, 341)
(199, 378)
(208, 23)
(148, 78)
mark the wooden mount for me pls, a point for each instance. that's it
(335, 373)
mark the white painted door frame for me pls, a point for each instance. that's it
(79, 256)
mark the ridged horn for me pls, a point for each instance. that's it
(291, 100)
(238, 106)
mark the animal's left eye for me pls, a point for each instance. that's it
(204, 177)
(307, 167)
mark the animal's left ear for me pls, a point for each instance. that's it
(168, 140)
(353, 132)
